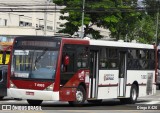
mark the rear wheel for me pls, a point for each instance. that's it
(133, 94)
(80, 97)
(34, 102)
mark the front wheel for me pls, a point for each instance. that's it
(80, 97)
(133, 94)
(34, 102)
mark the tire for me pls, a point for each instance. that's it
(1, 97)
(80, 97)
(34, 102)
(95, 101)
(133, 95)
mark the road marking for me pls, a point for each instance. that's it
(153, 102)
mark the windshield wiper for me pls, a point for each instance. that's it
(39, 57)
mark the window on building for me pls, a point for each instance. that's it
(5, 22)
(23, 23)
(49, 27)
(41, 27)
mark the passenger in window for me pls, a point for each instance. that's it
(66, 62)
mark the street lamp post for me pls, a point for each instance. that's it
(82, 28)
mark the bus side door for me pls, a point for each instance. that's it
(122, 73)
(94, 56)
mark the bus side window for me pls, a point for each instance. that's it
(82, 57)
(103, 58)
(68, 56)
(65, 62)
(113, 58)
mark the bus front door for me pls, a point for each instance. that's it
(3, 84)
(122, 74)
(94, 74)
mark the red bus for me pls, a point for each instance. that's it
(75, 70)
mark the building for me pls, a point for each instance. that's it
(32, 17)
(28, 17)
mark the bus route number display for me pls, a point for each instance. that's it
(37, 43)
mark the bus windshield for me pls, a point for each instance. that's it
(36, 64)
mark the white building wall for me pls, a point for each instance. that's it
(33, 22)
(30, 23)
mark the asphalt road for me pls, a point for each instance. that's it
(148, 104)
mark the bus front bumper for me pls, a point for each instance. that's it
(32, 94)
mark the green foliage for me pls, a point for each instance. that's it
(119, 16)
(152, 9)
(145, 30)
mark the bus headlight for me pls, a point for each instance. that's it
(12, 85)
(50, 87)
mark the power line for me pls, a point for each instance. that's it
(79, 10)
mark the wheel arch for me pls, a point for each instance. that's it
(136, 83)
(84, 85)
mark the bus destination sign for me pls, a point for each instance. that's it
(37, 43)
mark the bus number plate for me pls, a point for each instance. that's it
(29, 93)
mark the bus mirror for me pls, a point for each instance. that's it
(4, 58)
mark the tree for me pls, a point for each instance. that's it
(153, 9)
(103, 13)
(144, 31)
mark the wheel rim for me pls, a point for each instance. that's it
(79, 96)
(134, 94)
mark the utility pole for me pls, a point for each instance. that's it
(82, 28)
(45, 18)
(157, 23)
(55, 21)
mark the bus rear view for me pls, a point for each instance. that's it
(33, 66)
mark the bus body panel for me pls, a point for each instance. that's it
(68, 91)
(108, 84)
(145, 80)
(32, 94)
(65, 41)
(35, 85)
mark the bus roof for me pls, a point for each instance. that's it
(93, 42)
(120, 44)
